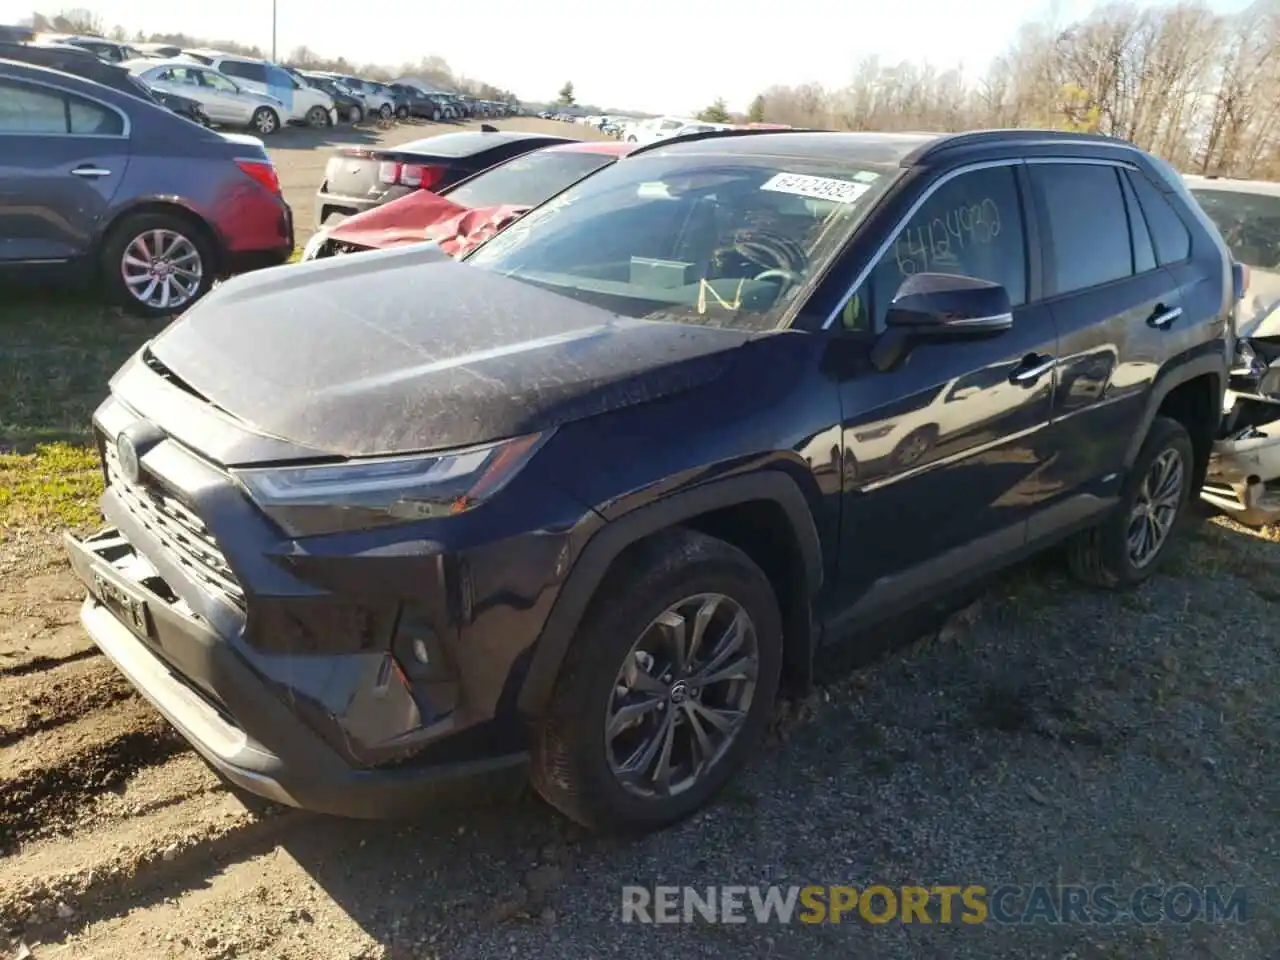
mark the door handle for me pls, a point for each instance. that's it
(1162, 318)
(90, 171)
(1033, 367)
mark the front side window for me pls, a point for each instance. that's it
(969, 226)
(708, 238)
(31, 110)
(1086, 228)
(1248, 222)
(528, 180)
(215, 81)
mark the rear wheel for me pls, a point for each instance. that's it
(356, 115)
(266, 121)
(318, 116)
(435, 115)
(667, 688)
(156, 264)
(1124, 549)
(385, 111)
(402, 113)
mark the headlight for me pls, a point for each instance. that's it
(359, 494)
(314, 245)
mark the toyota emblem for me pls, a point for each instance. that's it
(127, 454)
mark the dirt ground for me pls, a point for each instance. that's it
(1044, 734)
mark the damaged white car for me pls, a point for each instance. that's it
(1244, 469)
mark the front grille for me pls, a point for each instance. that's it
(181, 533)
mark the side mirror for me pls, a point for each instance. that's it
(940, 307)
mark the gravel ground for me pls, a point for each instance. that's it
(1045, 734)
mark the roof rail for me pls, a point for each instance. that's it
(1011, 136)
(719, 134)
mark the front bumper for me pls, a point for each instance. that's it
(246, 732)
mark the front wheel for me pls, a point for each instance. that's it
(156, 264)
(667, 688)
(385, 111)
(356, 115)
(318, 116)
(1123, 550)
(266, 121)
(402, 114)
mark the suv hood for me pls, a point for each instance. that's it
(406, 349)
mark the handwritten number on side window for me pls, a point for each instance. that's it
(917, 249)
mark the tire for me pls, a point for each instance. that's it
(1102, 555)
(913, 446)
(573, 759)
(356, 115)
(402, 114)
(192, 251)
(385, 111)
(266, 121)
(317, 116)
(435, 115)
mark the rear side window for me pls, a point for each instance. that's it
(1169, 234)
(255, 72)
(86, 117)
(1144, 254)
(1086, 232)
(25, 109)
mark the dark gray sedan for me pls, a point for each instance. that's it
(99, 185)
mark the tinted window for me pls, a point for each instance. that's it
(26, 109)
(1086, 231)
(255, 72)
(1248, 222)
(217, 82)
(529, 180)
(971, 225)
(1169, 234)
(1144, 254)
(91, 118)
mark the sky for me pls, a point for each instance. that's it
(660, 56)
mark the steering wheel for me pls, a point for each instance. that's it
(790, 276)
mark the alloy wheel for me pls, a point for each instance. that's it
(1155, 508)
(161, 269)
(682, 695)
(265, 121)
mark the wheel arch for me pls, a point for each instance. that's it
(765, 514)
(1191, 393)
(171, 207)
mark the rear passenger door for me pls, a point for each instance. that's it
(1111, 302)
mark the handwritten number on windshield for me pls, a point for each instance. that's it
(940, 243)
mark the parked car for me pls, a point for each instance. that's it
(82, 63)
(224, 100)
(416, 102)
(361, 178)
(103, 185)
(1247, 213)
(470, 211)
(160, 51)
(576, 505)
(302, 103)
(378, 99)
(104, 49)
(349, 107)
(659, 128)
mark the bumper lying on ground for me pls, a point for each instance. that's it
(141, 633)
(1244, 476)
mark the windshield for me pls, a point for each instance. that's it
(1248, 222)
(700, 238)
(529, 180)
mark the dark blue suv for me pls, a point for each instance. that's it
(394, 528)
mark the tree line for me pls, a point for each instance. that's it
(1200, 89)
(432, 68)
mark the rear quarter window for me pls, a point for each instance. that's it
(1169, 234)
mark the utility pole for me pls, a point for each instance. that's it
(273, 31)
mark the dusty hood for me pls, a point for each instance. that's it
(423, 216)
(406, 349)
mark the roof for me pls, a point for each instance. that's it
(615, 148)
(426, 86)
(1267, 188)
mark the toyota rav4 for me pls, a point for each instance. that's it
(574, 507)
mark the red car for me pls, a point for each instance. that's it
(472, 211)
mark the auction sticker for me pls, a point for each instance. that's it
(819, 188)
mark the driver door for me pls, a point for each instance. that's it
(943, 452)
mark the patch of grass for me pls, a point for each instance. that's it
(56, 486)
